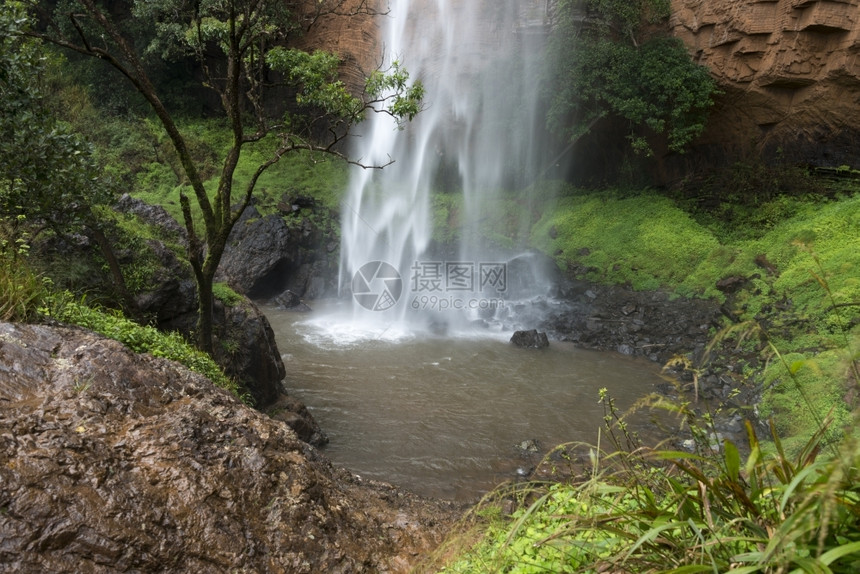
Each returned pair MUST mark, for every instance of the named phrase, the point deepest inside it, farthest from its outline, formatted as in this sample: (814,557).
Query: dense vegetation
(787,244)
(273,97)
(609,60)
(643,510)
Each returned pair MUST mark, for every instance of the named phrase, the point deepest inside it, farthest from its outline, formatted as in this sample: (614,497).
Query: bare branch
(340,8)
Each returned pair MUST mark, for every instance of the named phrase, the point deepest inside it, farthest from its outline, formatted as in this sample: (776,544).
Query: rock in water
(530,339)
(289,301)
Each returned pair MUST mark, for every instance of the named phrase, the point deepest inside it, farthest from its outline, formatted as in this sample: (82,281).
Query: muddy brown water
(445,416)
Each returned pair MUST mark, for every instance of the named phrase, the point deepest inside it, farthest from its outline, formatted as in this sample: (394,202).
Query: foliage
(313,174)
(240,50)
(644,510)
(800,392)
(746,199)
(46,173)
(139,338)
(645,240)
(604,64)
(798,288)
(649,241)
(21,290)
(226,295)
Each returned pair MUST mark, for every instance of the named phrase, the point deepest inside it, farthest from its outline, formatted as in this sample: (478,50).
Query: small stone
(530,339)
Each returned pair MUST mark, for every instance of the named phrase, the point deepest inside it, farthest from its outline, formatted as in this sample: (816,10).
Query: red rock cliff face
(351,30)
(790,73)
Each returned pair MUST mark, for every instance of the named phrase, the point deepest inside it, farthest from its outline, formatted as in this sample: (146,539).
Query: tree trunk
(115,269)
(205,313)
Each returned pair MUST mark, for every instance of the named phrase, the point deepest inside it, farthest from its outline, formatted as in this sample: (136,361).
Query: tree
(241,48)
(608,57)
(48,176)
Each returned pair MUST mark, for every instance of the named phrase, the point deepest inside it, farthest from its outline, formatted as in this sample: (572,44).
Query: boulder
(258,255)
(245,346)
(111,461)
(531,339)
(295,414)
(289,301)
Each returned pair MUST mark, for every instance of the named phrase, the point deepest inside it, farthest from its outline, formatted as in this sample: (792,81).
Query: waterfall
(480,132)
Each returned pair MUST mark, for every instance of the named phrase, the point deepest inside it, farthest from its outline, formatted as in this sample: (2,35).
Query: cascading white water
(478,61)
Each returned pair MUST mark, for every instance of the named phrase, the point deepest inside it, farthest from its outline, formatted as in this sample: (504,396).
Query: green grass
(139,338)
(802,392)
(317,175)
(644,241)
(664,511)
(21,289)
(805,305)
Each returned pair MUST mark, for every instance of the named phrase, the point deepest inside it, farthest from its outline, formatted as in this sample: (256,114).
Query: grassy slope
(648,242)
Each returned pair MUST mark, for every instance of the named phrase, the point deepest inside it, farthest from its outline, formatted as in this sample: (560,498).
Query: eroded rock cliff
(790,73)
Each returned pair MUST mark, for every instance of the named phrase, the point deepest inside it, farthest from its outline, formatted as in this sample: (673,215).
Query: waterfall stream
(412,374)
(479,133)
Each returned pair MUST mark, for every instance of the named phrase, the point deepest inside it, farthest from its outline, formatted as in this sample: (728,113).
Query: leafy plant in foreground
(21,290)
(680,512)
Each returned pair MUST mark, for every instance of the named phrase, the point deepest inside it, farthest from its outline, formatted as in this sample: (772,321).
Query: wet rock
(258,253)
(289,301)
(731,284)
(112,461)
(530,446)
(530,339)
(291,203)
(618,319)
(295,414)
(247,350)
(265,255)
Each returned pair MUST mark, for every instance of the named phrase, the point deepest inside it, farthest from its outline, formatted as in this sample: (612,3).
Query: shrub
(21,290)
(139,338)
(643,510)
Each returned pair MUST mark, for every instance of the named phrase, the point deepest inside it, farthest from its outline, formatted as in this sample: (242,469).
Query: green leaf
(651,534)
(733,460)
(835,554)
(692,569)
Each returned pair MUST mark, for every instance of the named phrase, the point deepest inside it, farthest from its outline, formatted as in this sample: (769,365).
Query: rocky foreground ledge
(113,462)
